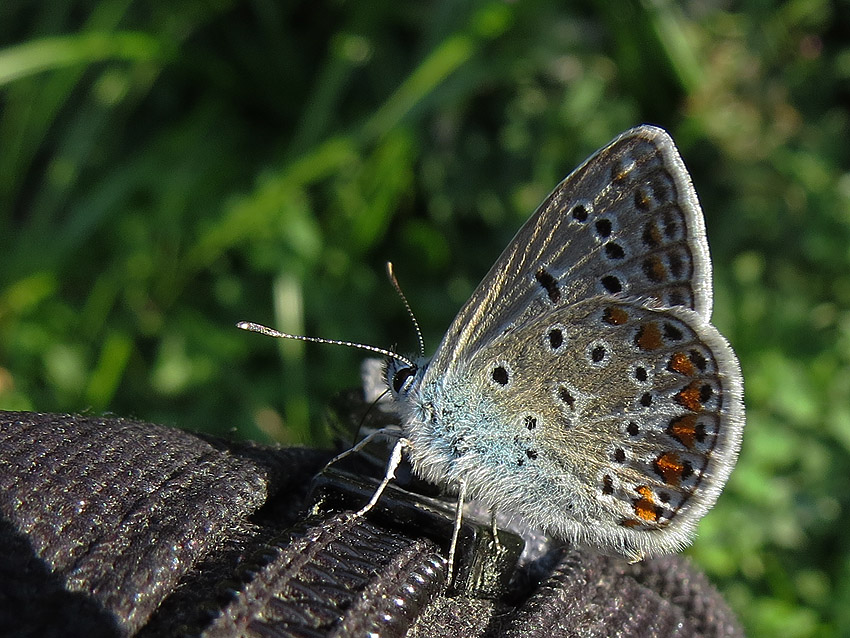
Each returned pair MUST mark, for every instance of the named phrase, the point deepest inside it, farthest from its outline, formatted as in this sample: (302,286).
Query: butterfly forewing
(627,222)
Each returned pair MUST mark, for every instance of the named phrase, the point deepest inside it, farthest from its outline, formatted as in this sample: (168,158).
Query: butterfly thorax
(456,434)
(441,432)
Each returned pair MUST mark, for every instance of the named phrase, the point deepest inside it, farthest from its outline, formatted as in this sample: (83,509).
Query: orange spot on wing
(680,363)
(670,468)
(649,337)
(654,269)
(651,235)
(690,397)
(645,507)
(615,316)
(684,430)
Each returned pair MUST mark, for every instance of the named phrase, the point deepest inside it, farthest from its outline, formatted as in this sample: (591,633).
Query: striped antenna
(394,281)
(271,332)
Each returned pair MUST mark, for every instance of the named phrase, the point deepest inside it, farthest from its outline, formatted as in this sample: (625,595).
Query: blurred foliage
(167,169)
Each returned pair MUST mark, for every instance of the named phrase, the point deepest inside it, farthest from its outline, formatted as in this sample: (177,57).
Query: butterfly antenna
(394,281)
(271,332)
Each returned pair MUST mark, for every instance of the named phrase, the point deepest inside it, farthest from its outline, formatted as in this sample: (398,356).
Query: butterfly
(582,387)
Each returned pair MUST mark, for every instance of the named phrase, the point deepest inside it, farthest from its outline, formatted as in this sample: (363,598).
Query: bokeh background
(167,169)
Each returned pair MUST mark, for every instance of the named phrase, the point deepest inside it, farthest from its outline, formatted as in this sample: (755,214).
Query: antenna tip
(255,327)
(263,330)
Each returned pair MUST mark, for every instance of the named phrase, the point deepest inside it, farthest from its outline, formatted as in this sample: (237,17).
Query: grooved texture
(119,528)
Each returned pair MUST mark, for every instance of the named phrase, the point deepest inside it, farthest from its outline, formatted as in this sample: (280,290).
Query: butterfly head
(402,376)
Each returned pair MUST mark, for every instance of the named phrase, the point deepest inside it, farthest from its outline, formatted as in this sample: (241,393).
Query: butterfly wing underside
(582,386)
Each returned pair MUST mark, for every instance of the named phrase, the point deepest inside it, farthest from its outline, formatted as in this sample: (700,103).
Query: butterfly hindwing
(619,413)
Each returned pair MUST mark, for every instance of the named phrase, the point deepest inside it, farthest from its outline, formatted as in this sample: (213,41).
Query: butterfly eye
(400,378)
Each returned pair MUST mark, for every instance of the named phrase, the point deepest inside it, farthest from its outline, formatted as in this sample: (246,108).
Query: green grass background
(167,169)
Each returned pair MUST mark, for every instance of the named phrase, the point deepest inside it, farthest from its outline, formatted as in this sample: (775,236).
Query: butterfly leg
(461,497)
(389,475)
(495,530)
(360,445)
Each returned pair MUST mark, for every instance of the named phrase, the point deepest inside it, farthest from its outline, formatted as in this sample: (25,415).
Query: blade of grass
(47,54)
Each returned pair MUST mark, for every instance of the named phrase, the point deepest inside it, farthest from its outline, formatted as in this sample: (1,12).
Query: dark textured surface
(115,528)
